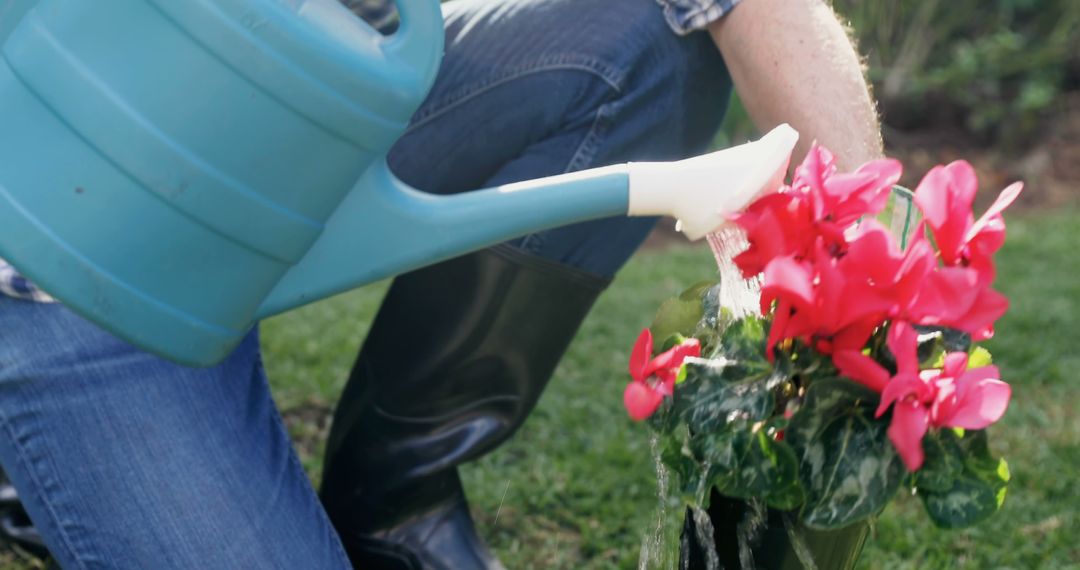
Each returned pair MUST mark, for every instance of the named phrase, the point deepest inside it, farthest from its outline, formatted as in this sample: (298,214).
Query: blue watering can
(176,170)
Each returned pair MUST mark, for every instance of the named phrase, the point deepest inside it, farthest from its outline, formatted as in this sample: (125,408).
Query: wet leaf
(744,340)
(745,463)
(848,466)
(715,394)
(698,291)
(688,477)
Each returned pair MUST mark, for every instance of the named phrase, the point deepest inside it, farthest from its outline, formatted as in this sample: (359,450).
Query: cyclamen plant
(862,375)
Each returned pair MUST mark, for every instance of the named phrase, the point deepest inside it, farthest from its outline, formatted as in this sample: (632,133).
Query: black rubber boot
(454,362)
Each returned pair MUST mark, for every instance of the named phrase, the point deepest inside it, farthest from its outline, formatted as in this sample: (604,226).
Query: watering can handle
(418,41)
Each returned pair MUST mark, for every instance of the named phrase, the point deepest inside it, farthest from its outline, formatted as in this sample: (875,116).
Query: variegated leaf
(967,502)
(745,463)
(849,468)
(715,395)
(978,493)
(943,463)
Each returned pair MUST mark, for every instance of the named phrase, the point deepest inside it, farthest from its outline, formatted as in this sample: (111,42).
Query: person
(125,460)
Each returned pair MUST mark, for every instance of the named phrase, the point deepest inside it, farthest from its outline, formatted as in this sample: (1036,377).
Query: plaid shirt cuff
(14,285)
(686,16)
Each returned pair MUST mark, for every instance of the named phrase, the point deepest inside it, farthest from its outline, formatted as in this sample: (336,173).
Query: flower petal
(861,368)
(979,320)
(641,400)
(981,400)
(899,388)
(903,342)
(909,425)
(787,279)
(932,196)
(674,356)
(945,196)
(955,364)
(1004,200)
(639,357)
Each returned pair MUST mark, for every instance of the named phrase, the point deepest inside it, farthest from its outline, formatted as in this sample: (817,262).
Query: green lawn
(576,487)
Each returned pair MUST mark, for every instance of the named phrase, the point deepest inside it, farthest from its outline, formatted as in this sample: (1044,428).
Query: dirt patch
(309,423)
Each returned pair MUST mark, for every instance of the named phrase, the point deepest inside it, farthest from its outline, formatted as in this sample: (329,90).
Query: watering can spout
(385,227)
(701,192)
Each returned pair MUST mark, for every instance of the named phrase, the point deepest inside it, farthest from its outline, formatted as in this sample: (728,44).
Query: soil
(1049,168)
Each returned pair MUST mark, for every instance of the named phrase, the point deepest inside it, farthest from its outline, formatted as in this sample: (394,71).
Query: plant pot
(772,545)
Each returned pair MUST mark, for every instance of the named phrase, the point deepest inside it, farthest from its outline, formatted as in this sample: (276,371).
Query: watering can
(177,170)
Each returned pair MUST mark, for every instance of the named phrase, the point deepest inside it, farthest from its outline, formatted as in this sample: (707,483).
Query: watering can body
(164,163)
(175,171)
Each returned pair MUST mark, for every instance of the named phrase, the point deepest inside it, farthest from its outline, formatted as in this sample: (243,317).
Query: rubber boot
(457,357)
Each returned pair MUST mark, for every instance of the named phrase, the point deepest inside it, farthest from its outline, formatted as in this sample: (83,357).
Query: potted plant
(858,376)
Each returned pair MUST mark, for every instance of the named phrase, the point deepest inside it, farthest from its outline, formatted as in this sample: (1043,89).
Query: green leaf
(684,314)
(744,340)
(826,400)
(787,499)
(715,394)
(968,501)
(671,342)
(676,316)
(715,318)
(688,478)
(978,493)
(979,357)
(745,463)
(848,467)
(955,341)
(935,342)
(943,464)
(697,291)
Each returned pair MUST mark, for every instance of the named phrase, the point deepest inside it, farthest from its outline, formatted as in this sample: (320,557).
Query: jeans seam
(294,464)
(557,63)
(17,443)
(583,156)
(587,149)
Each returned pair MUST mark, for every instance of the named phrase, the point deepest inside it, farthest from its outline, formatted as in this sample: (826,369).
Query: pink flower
(903,343)
(817,208)
(959,298)
(893,278)
(945,196)
(776,225)
(954,396)
(841,199)
(654,377)
(826,302)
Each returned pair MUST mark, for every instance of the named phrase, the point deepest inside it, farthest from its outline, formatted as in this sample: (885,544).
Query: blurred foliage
(993,67)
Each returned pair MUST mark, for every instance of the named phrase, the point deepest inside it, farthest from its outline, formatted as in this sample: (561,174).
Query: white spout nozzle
(703,191)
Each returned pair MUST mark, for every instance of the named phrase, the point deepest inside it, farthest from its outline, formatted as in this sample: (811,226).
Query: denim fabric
(127,461)
(534,88)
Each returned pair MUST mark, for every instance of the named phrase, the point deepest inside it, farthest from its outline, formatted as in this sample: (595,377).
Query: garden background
(994,81)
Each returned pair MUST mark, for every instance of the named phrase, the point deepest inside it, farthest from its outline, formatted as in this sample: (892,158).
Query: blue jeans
(124,460)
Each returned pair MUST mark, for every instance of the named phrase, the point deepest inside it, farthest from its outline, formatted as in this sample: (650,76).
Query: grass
(576,487)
